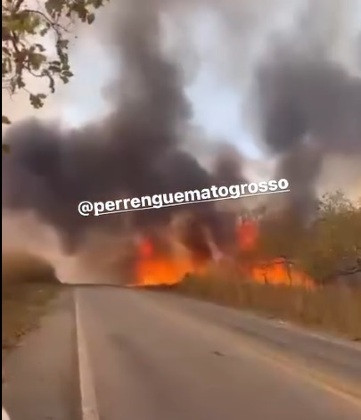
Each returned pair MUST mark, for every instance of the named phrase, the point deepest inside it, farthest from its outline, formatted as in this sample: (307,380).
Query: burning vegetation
(165,260)
(305,107)
(267,251)
(156,267)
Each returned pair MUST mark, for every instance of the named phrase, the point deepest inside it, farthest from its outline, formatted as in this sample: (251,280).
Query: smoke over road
(305,104)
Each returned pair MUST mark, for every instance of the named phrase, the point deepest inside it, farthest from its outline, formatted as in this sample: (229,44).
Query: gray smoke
(134,152)
(303,96)
(308,101)
(307,105)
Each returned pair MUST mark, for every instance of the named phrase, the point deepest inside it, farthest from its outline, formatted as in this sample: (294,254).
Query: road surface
(156,356)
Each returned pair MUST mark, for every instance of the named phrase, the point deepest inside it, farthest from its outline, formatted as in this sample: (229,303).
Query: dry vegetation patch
(334,308)
(28,285)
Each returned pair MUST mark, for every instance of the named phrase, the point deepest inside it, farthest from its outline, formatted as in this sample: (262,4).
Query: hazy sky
(217,105)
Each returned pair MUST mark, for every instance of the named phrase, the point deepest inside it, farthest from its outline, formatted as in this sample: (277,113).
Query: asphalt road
(156,356)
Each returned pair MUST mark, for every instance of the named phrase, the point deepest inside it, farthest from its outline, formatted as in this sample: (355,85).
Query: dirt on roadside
(29,283)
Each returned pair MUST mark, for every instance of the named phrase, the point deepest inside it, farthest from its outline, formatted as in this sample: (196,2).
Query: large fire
(154,267)
(160,267)
(277,271)
(247,235)
(161,270)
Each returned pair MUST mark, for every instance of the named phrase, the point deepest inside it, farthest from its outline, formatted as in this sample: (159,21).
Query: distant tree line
(327,248)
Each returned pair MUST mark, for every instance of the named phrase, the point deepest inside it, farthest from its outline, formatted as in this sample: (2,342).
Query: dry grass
(333,308)
(20,267)
(28,284)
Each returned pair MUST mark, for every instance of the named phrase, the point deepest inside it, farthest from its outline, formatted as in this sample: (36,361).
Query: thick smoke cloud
(132,153)
(308,99)
(309,108)
(307,105)
(303,97)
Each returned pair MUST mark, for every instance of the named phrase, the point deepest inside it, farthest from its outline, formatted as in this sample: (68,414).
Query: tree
(327,249)
(335,246)
(282,236)
(25,24)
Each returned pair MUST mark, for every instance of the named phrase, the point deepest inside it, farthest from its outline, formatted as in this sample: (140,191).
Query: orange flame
(277,271)
(247,233)
(146,248)
(161,271)
(155,268)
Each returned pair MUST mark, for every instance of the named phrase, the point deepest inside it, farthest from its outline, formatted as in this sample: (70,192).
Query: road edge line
(89,406)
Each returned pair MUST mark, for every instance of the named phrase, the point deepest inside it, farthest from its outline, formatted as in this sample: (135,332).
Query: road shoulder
(40,378)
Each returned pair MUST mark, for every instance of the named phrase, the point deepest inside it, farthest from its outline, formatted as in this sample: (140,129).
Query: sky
(217,106)
(217,109)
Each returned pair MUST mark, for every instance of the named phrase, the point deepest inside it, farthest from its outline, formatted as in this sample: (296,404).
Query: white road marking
(87,391)
(4,415)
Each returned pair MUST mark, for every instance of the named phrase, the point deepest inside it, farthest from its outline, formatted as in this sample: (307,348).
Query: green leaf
(63,43)
(67,73)
(20,82)
(40,47)
(44,31)
(37,100)
(54,69)
(90,18)
(36,60)
(54,6)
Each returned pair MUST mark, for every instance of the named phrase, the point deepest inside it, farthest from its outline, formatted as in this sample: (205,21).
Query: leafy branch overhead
(26,25)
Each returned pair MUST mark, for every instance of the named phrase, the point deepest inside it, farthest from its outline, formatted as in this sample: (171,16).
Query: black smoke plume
(307,106)
(133,152)
(308,101)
